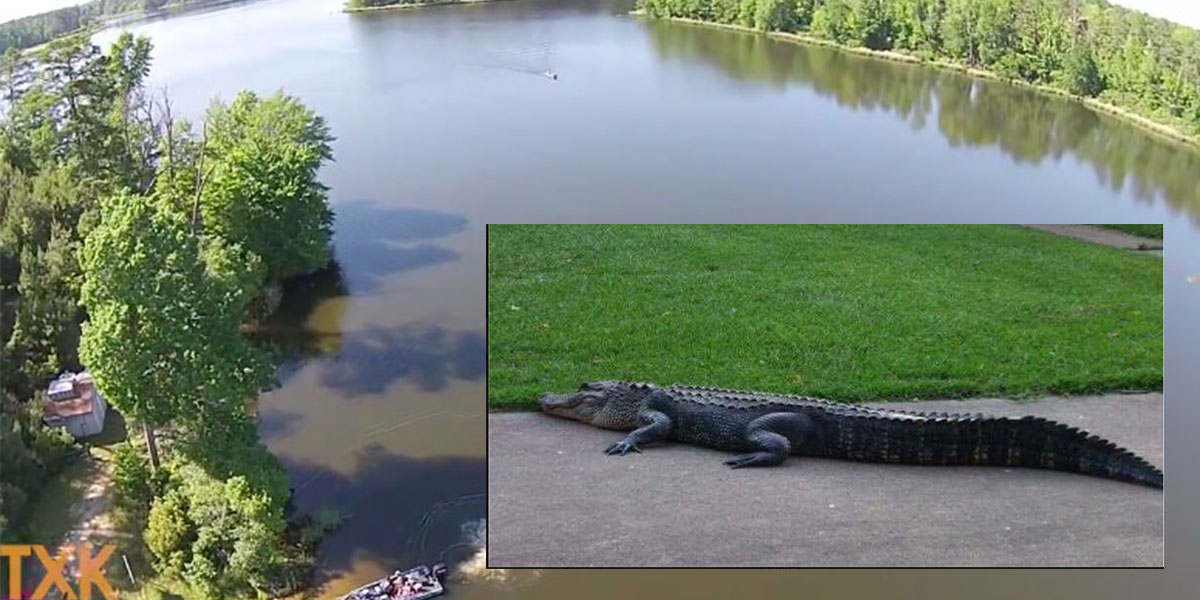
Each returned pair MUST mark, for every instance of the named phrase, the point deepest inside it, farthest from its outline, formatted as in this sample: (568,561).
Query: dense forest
(970,113)
(1087,47)
(40,28)
(140,249)
(367,4)
(353,4)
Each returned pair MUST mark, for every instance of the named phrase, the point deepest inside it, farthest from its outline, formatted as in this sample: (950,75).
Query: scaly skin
(766,428)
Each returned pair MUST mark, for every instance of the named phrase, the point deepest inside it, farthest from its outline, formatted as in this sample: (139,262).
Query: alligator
(767,428)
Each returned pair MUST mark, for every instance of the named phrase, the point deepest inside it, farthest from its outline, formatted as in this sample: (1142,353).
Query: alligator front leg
(772,435)
(655,427)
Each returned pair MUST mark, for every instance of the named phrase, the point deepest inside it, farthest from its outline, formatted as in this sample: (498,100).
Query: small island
(355,6)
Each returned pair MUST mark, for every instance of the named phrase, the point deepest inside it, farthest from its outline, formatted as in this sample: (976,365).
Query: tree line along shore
(33,30)
(359,6)
(1117,60)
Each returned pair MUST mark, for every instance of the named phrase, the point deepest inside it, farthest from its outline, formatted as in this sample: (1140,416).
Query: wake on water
(475,568)
(529,60)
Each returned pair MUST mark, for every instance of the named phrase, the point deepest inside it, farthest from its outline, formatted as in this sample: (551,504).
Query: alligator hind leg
(772,435)
(657,426)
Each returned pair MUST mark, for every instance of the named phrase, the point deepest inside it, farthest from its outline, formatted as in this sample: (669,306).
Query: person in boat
(413,588)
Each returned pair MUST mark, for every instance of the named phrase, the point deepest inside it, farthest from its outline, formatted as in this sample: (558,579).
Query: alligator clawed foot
(748,460)
(622,448)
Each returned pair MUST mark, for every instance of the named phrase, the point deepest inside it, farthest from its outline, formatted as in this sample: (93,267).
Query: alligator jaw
(550,403)
(604,404)
(578,406)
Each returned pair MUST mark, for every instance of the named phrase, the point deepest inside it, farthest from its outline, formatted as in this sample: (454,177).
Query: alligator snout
(553,401)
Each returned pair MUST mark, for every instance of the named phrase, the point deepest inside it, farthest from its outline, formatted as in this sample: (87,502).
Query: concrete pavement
(555,500)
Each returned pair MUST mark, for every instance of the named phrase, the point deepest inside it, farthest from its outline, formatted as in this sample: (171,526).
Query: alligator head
(606,404)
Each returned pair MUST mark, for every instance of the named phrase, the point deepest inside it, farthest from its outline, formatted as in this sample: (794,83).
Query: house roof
(62,388)
(80,404)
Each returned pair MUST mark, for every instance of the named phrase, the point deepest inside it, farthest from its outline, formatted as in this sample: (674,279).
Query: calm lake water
(444,124)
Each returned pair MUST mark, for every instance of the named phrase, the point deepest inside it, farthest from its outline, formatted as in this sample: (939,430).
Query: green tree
(745,12)
(223,537)
(46,331)
(133,482)
(170,533)
(37,254)
(802,14)
(918,24)
(773,15)
(834,20)
(1135,72)
(14,201)
(165,307)
(261,190)
(76,77)
(963,30)
(1081,74)
(128,64)
(871,24)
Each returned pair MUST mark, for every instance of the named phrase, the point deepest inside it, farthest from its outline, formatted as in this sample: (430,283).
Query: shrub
(169,533)
(132,481)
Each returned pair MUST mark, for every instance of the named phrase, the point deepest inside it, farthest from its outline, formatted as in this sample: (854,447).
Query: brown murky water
(382,419)
(444,125)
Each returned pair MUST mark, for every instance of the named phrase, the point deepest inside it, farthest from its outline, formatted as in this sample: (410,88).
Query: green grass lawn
(846,312)
(1147,231)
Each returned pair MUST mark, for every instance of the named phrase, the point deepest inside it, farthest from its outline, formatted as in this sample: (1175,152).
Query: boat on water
(416,583)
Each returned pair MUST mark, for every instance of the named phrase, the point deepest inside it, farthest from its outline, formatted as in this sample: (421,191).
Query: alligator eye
(585,386)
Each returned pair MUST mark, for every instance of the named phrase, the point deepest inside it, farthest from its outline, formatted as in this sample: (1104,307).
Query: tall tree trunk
(151,445)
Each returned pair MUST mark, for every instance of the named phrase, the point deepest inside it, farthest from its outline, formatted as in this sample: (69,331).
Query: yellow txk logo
(89,571)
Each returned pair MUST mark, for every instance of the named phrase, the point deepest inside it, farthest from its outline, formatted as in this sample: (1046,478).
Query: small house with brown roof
(73,402)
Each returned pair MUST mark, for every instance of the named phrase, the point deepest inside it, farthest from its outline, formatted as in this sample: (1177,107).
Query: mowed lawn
(852,313)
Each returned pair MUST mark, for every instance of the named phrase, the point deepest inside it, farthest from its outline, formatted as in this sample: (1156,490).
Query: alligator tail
(1042,443)
(943,439)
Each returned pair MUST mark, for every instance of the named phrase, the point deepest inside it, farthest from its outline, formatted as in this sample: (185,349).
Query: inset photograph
(825,396)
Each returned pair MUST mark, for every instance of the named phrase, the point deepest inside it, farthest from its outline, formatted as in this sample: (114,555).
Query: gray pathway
(1104,237)
(554,499)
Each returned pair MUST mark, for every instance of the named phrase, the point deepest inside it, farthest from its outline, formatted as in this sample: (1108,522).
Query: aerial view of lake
(445,123)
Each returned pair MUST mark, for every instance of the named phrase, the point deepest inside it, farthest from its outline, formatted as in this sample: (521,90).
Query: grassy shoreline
(1148,231)
(849,313)
(87,30)
(1157,128)
(412,5)
(129,17)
